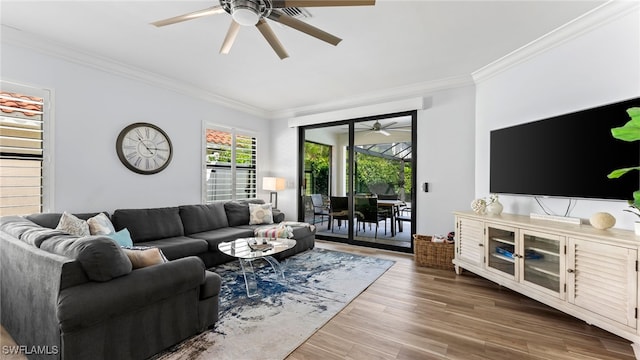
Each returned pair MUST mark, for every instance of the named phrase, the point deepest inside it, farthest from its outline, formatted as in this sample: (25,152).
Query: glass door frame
(351,181)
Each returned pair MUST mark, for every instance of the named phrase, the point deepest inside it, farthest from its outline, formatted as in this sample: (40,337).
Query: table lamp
(273,184)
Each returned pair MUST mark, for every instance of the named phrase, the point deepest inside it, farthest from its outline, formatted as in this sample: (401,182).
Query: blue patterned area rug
(319,284)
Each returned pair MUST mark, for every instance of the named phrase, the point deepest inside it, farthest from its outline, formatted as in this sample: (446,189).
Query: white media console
(585,272)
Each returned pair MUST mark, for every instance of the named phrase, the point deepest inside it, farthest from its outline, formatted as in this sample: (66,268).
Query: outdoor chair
(338,210)
(366,211)
(319,208)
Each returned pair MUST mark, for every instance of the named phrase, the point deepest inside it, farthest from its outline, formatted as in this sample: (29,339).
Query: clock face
(144,148)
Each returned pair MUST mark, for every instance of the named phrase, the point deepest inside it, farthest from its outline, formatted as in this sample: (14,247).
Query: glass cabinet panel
(501,250)
(542,260)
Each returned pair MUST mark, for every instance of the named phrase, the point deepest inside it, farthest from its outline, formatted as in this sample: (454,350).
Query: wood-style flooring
(414,312)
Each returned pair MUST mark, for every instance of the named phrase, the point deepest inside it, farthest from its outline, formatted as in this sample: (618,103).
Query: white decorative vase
(636,227)
(494,208)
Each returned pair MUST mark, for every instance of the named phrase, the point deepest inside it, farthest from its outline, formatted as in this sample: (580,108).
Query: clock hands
(145,145)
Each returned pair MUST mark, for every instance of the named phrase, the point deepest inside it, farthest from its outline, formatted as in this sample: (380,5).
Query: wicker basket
(431,254)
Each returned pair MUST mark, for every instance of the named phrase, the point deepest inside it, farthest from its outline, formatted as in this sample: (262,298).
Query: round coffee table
(247,250)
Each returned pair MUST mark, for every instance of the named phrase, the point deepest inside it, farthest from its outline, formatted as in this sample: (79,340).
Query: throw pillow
(73,225)
(100,225)
(143,256)
(122,238)
(260,214)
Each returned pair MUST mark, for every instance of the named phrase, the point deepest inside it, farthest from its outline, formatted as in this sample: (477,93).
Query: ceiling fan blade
(389,124)
(190,16)
(320,3)
(271,38)
(230,37)
(384,132)
(304,27)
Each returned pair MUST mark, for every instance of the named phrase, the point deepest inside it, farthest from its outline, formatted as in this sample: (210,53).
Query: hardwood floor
(414,312)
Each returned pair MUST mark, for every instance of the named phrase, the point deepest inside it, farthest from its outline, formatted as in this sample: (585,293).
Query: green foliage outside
(376,171)
(244,152)
(316,164)
(371,171)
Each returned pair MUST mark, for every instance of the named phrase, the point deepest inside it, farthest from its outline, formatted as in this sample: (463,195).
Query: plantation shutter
(231,165)
(21,153)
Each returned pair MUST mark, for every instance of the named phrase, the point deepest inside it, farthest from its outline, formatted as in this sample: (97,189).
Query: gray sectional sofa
(70,297)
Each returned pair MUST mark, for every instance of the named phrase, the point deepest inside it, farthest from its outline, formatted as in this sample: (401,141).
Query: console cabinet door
(603,279)
(501,250)
(470,245)
(542,262)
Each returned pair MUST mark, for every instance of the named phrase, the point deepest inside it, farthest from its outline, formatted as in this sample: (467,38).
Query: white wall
(90,109)
(598,67)
(445,154)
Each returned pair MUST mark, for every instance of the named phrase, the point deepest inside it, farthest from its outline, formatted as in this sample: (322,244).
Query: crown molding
(29,41)
(591,20)
(377,97)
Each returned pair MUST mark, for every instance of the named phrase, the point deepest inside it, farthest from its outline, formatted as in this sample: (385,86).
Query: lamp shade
(273,183)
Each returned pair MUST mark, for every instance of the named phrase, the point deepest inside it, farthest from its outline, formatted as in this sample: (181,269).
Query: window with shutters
(22,149)
(231,159)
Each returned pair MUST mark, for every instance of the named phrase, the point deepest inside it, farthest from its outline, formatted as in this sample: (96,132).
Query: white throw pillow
(260,214)
(73,225)
(100,225)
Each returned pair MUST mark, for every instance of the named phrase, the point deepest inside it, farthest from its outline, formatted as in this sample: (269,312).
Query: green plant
(629,132)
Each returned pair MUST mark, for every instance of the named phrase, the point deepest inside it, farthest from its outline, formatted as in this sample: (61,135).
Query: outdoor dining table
(393,205)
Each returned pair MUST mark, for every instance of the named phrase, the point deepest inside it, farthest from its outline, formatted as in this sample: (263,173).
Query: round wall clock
(144,148)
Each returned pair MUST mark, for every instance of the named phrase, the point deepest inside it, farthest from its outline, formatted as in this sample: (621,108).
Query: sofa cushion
(237,213)
(51,220)
(179,246)
(215,237)
(100,257)
(149,224)
(200,217)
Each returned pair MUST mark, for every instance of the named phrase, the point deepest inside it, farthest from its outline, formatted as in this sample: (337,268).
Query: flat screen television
(566,156)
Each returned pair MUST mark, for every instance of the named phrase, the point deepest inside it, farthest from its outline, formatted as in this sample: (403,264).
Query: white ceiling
(388,48)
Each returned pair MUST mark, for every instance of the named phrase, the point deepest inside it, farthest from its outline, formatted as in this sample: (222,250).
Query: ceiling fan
(254,12)
(377,127)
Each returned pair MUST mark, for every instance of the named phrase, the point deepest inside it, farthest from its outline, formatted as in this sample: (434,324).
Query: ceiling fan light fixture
(246,12)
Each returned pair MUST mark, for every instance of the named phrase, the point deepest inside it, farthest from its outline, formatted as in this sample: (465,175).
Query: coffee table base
(250,276)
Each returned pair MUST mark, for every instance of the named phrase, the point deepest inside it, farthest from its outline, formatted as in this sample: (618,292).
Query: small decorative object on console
(602,220)
(479,206)
(494,207)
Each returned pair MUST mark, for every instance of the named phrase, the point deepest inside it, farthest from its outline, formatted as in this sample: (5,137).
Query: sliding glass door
(324,188)
(358,182)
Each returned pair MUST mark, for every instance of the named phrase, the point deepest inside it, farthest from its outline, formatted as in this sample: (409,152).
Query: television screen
(566,156)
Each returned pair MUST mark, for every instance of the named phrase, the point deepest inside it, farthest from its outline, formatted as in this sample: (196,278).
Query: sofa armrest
(93,302)
(278,216)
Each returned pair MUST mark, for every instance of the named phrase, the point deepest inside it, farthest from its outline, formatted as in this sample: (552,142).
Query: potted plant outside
(629,132)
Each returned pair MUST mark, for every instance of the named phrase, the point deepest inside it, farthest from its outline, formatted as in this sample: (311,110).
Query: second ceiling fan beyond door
(254,13)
